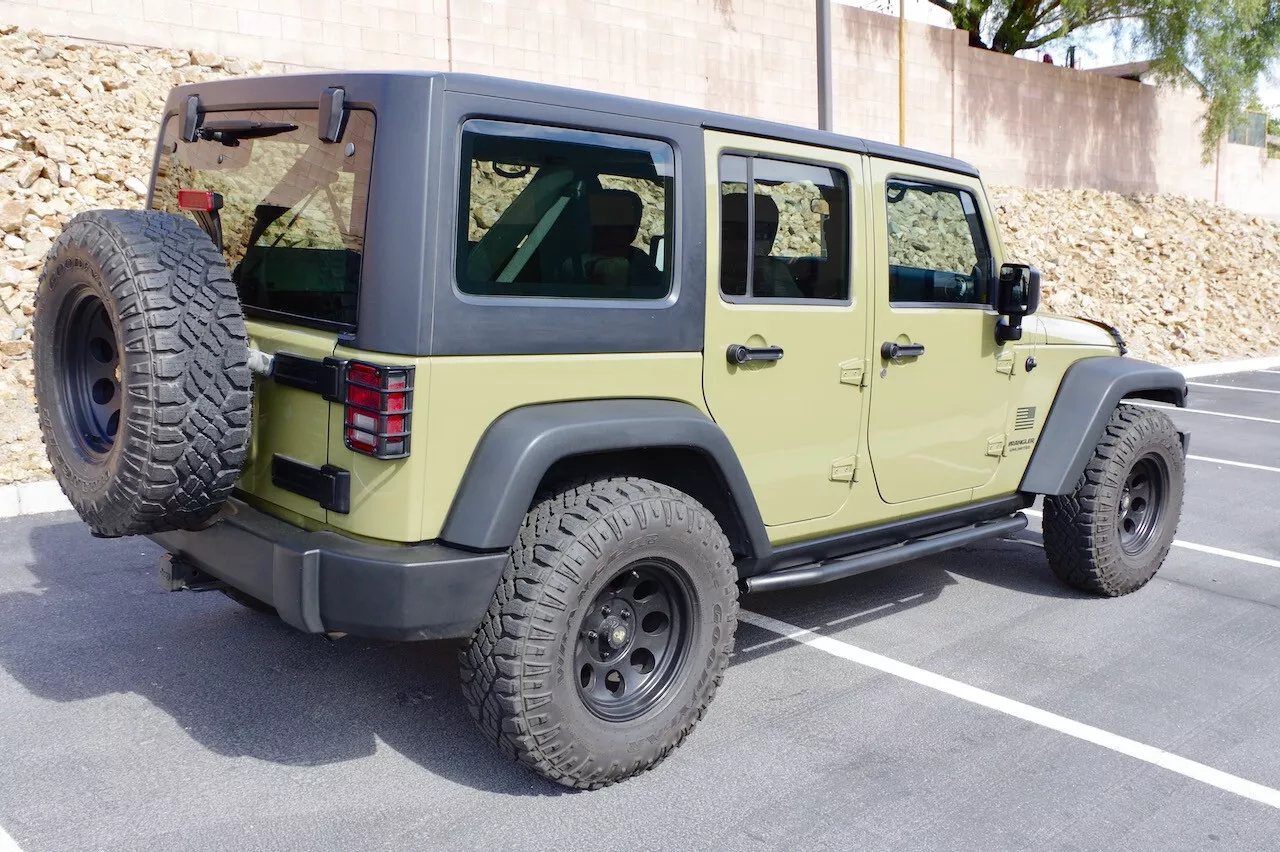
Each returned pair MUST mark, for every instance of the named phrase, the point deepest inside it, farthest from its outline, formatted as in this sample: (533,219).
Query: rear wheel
(1112,533)
(608,635)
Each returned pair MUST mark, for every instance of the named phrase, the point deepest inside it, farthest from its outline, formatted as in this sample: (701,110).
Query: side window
(551,212)
(938,250)
(786,238)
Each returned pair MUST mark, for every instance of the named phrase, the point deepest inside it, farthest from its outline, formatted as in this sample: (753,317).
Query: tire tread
(185,437)
(507,665)
(1081,549)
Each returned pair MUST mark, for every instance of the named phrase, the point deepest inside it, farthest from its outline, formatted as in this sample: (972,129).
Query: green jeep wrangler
(561,374)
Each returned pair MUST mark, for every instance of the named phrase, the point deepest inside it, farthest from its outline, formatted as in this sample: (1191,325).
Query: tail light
(378,404)
(199,200)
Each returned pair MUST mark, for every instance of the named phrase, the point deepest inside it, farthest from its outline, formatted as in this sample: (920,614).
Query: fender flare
(519,447)
(1090,390)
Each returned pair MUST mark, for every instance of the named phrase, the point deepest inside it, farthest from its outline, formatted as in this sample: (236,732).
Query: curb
(36,498)
(1226,368)
(32,498)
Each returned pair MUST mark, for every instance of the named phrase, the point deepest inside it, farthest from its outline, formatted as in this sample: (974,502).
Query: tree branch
(1032,44)
(1039,16)
(950,7)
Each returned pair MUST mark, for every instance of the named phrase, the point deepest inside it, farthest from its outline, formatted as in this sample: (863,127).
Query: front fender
(1090,390)
(521,446)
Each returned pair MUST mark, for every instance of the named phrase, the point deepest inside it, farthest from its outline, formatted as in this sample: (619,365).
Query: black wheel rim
(1141,503)
(633,641)
(91,367)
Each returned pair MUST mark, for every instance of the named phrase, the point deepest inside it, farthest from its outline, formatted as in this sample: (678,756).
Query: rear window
(553,212)
(293,207)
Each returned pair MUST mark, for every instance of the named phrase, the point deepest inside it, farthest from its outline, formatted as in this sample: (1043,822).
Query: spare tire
(141,371)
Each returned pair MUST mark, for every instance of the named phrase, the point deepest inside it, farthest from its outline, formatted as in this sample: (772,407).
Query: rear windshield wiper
(230,133)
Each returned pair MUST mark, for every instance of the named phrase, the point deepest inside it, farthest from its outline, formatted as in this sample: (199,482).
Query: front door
(940,386)
(786,328)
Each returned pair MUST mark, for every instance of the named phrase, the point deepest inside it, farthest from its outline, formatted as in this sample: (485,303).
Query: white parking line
(1199,411)
(7,843)
(1204,548)
(1230,554)
(1277,372)
(1231,387)
(1235,463)
(1061,724)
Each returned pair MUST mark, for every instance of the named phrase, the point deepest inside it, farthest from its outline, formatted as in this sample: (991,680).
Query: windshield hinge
(1006,361)
(995,445)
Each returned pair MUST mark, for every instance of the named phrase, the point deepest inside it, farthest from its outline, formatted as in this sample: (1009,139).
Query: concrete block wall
(1021,122)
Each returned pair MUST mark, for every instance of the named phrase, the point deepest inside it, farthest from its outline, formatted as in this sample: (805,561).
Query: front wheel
(1112,533)
(608,635)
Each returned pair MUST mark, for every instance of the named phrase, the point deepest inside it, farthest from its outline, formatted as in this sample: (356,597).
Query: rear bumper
(324,582)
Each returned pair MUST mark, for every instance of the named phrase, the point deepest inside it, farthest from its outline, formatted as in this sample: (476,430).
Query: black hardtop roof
(362,86)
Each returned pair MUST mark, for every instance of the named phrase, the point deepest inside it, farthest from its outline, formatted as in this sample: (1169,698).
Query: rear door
(289,212)
(786,327)
(939,402)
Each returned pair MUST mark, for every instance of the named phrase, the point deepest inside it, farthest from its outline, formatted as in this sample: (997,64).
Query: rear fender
(519,448)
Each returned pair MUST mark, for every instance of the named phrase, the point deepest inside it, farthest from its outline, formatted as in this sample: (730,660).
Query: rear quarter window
(556,213)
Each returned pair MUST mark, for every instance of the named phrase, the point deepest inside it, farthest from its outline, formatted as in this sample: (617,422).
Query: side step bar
(838,569)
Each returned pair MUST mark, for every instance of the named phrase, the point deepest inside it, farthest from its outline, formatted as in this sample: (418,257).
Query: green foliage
(1222,47)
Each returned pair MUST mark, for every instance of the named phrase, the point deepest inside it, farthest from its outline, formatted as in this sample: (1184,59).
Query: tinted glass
(293,207)
(549,212)
(788,238)
(937,249)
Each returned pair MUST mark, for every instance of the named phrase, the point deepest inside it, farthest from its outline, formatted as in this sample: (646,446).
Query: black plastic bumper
(324,582)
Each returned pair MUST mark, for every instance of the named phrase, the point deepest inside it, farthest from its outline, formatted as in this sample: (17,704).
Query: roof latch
(191,118)
(333,114)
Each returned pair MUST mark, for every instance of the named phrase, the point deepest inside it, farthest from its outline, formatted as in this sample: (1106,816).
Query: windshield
(291,220)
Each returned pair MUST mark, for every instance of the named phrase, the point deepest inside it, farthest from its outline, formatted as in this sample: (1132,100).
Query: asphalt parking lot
(966,701)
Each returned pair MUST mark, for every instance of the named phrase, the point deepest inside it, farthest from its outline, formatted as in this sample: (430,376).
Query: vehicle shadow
(242,684)
(846,604)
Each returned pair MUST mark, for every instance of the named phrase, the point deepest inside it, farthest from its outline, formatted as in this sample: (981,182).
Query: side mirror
(1017,295)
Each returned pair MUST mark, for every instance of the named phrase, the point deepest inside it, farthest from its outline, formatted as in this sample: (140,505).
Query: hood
(1077,332)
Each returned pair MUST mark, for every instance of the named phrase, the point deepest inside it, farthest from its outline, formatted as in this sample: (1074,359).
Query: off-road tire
(518,669)
(1081,537)
(182,377)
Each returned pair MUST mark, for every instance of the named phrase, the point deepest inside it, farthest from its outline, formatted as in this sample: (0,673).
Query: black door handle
(739,354)
(893,351)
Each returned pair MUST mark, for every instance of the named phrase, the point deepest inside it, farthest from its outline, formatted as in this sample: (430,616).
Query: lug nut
(604,610)
(592,635)
(626,613)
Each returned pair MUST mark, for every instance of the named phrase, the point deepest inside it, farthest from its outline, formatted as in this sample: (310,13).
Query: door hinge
(853,373)
(845,469)
(995,445)
(310,374)
(1005,362)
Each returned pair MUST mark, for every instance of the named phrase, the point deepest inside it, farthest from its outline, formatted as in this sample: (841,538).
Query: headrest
(615,208)
(735,207)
